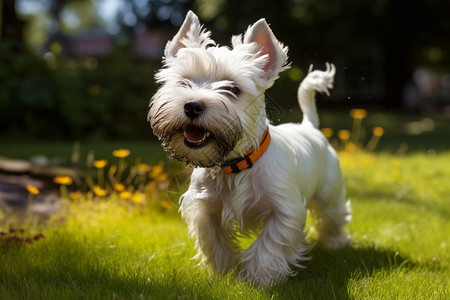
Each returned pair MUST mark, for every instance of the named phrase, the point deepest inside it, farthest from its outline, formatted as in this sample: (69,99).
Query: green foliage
(64,98)
(27,93)
(102,250)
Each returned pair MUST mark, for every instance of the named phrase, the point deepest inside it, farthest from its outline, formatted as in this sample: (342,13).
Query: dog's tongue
(194,134)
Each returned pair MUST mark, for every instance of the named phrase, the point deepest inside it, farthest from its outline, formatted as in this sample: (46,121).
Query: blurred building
(145,45)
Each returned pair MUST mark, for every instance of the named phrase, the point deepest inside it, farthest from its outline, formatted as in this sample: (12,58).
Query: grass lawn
(406,132)
(108,250)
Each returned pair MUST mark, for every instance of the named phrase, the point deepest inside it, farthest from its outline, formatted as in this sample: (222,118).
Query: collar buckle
(241,163)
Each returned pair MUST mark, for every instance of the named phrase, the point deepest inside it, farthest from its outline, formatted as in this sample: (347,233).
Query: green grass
(101,149)
(399,134)
(400,229)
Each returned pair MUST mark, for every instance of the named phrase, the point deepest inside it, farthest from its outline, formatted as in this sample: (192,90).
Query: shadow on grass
(327,275)
(86,272)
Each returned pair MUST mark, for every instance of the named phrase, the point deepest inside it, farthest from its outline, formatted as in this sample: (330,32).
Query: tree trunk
(11,28)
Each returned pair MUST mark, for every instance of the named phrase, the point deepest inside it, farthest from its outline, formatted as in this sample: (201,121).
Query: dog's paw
(264,269)
(320,81)
(337,241)
(262,278)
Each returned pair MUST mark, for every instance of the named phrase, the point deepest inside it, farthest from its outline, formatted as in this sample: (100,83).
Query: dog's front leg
(279,247)
(204,219)
(219,248)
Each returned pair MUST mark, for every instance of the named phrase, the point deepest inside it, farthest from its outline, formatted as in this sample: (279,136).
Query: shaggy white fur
(209,109)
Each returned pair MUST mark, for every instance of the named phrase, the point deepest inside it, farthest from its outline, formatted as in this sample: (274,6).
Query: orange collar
(250,157)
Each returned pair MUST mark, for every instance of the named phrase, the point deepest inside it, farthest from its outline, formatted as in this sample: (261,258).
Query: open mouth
(195,136)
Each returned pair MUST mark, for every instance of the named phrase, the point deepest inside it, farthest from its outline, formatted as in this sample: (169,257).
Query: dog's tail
(315,81)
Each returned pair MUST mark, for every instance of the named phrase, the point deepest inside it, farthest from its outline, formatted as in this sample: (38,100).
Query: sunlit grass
(105,248)
(118,234)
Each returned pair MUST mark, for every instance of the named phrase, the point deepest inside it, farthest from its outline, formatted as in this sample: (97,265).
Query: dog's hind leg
(331,208)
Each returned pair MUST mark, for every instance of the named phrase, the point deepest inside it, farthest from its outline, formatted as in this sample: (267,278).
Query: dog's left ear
(261,34)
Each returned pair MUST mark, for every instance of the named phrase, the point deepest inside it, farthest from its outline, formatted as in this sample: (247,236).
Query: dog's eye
(184,84)
(232,89)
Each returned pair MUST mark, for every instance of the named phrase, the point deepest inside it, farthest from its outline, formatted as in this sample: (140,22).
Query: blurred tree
(11,27)
(378,43)
(79,16)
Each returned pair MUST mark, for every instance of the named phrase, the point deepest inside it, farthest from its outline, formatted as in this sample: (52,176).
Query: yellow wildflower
(119,187)
(63,180)
(32,190)
(343,134)
(357,113)
(99,164)
(121,153)
(98,191)
(125,195)
(142,168)
(138,197)
(327,132)
(156,170)
(350,147)
(378,131)
(162,177)
(75,196)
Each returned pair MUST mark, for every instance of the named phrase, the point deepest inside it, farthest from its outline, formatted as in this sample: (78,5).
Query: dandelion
(32,190)
(357,113)
(63,181)
(377,134)
(98,191)
(162,177)
(121,153)
(119,187)
(137,197)
(125,195)
(378,131)
(142,168)
(100,164)
(156,170)
(327,132)
(75,196)
(350,147)
(344,135)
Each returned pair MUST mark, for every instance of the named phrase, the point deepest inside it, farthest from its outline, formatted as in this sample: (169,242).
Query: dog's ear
(190,35)
(261,34)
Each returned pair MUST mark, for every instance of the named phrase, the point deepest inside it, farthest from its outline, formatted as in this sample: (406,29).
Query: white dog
(250,177)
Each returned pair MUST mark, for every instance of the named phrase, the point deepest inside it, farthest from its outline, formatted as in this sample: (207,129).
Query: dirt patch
(14,195)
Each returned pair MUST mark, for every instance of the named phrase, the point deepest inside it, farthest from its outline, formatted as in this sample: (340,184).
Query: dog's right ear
(190,35)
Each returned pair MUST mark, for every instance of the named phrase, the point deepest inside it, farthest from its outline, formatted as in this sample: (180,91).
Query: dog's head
(210,104)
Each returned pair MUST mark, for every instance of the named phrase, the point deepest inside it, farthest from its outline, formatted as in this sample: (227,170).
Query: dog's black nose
(193,109)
